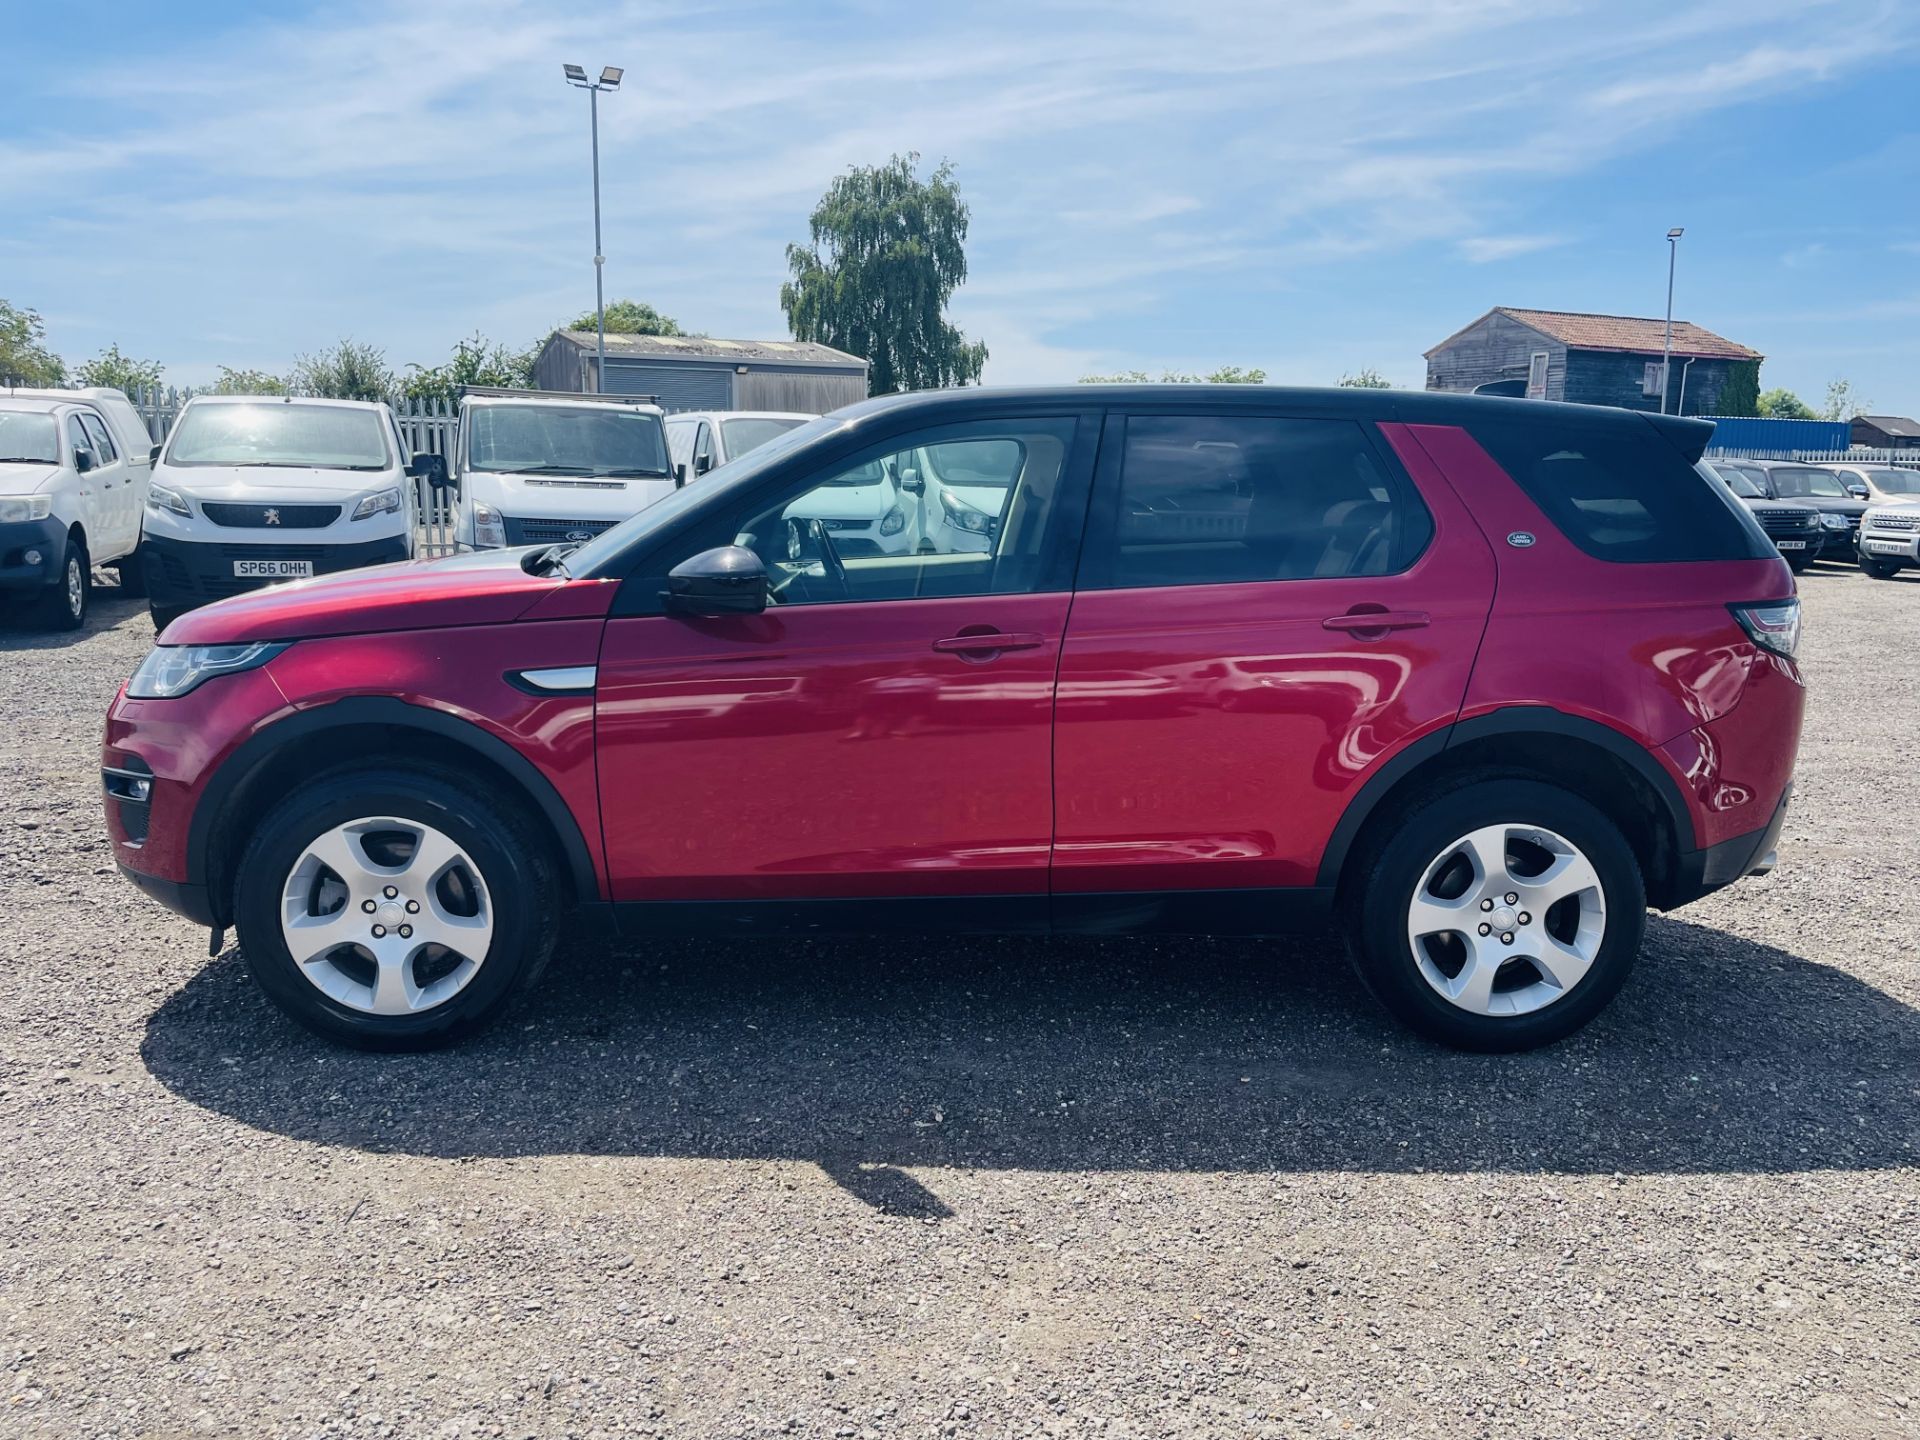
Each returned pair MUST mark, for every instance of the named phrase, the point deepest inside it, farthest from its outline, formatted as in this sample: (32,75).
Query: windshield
(29,439)
(717,488)
(560,440)
(310,437)
(745,435)
(1794,482)
(1740,484)
(1887,482)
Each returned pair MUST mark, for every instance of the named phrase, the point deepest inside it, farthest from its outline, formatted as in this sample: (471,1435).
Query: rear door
(1267,606)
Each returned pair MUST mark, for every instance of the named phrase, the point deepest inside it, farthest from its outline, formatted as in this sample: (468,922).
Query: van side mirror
(680,474)
(727,580)
(1858,491)
(431,468)
(703,463)
(153,455)
(83,460)
(910,481)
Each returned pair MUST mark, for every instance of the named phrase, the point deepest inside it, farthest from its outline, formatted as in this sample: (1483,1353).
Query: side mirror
(680,474)
(1858,491)
(153,455)
(431,468)
(727,580)
(83,460)
(911,482)
(703,463)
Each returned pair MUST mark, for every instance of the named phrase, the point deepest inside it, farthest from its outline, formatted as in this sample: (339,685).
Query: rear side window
(1226,499)
(1621,491)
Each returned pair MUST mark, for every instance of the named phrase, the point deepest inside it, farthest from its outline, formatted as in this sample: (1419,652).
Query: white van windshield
(555,440)
(750,434)
(28,439)
(301,437)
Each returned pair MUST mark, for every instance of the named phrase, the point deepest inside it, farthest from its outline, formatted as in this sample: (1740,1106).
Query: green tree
(24,356)
(119,372)
(1842,403)
(346,372)
(631,317)
(247,382)
(473,362)
(887,251)
(1368,379)
(1740,396)
(1225,375)
(1784,405)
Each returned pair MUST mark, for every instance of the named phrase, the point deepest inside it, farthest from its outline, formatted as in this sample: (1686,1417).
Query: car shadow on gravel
(868,1058)
(106,609)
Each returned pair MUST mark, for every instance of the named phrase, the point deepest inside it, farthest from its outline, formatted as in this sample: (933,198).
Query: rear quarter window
(1622,492)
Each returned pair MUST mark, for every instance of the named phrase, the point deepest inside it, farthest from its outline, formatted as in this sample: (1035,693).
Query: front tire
(392,909)
(133,576)
(163,616)
(1798,564)
(1880,569)
(1500,914)
(64,606)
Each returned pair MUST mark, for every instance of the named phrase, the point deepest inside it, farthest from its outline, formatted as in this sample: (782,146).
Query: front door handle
(991,641)
(1361,622)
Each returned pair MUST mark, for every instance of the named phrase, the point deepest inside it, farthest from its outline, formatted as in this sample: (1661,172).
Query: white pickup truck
(536,467)
(74,470)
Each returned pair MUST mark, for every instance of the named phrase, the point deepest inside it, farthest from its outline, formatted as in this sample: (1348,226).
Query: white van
(253,489)
(704,439)
(74,468)
(538,467)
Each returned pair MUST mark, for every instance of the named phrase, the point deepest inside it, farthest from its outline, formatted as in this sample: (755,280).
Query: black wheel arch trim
(262,746)
(1509,720)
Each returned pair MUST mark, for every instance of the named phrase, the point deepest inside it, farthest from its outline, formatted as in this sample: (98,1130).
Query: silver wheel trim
(76,586)
(1558,964)
(318,922)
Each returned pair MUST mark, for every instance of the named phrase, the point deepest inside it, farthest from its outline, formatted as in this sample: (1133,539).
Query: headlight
(893,522)
(171,670)
(159,497)
(964,517)
(489,528)
(1834,522)
(27,507)
(1772,625)
(378,504)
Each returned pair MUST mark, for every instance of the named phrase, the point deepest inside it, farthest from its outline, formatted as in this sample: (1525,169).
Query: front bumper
(182,573)
(1903,545)
(18,539)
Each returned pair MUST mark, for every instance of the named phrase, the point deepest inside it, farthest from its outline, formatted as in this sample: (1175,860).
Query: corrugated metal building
(1778,437)
(690,372)
(1587,359)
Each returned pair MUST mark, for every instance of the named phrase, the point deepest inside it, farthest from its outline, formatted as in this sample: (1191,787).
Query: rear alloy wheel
(64,606)
(1880,569)
(395,911)
(1500,915)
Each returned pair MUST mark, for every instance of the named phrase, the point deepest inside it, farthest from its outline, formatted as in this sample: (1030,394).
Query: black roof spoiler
(1688,436)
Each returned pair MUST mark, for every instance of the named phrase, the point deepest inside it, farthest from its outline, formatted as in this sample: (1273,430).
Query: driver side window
(962,510)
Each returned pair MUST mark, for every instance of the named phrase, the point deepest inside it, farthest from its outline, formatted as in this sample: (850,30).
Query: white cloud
(1485,249)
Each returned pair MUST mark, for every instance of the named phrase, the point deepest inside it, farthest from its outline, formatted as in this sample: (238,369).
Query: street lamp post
(1666,353)
(609,80)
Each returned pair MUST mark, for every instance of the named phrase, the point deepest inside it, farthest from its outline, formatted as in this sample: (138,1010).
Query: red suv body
(1221,660)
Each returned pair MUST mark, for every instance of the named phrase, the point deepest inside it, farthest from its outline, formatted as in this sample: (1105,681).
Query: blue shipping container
(1741,432)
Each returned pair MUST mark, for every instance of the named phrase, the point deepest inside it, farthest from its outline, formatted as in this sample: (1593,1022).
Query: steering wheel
(829,557)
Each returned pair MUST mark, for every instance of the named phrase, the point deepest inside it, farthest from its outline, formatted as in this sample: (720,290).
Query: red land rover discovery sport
(1478,680)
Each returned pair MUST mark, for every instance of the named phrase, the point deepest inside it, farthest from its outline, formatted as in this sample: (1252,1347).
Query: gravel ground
(972,1189)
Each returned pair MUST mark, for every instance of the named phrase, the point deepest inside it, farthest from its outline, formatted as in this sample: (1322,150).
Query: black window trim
(1103,512)
(645,577)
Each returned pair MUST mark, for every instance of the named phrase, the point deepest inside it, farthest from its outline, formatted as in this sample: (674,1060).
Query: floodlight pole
(1666,353)
(600,261)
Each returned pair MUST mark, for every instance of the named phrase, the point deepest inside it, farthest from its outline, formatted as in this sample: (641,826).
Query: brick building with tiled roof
(1588,359)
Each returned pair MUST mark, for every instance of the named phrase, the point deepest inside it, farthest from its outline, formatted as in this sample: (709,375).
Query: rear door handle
(1361,621)
(993,640)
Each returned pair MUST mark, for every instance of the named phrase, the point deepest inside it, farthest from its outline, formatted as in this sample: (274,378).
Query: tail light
(1771,624)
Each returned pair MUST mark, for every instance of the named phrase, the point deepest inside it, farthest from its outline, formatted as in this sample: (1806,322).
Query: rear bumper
(21,538)
(1701,872)
(182,573)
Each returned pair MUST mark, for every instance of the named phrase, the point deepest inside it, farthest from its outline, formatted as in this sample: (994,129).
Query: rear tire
(64,605)
(1881,569)
(1429,882)
(466,867)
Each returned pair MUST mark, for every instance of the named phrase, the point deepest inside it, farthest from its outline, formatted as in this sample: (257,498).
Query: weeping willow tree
(887,251)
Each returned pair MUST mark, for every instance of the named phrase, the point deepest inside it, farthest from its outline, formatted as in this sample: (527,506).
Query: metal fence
(426,427)
(1857,455)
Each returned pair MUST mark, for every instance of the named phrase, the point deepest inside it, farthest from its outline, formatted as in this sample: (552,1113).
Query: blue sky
(1308,188)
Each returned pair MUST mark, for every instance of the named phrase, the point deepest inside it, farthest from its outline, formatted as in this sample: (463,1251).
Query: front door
(884,728)
(1267,606)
